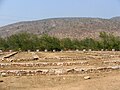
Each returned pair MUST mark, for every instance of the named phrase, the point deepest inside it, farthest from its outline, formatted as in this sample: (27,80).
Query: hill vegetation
(27,41)
(73,28)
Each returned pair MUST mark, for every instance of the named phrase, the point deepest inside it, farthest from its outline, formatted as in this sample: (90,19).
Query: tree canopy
(27,41)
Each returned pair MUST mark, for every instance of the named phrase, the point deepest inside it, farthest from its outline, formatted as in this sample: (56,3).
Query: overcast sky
(12,11)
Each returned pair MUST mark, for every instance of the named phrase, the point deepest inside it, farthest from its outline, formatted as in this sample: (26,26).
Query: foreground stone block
(37,50)
(87,77)
(54,50)
(61,50)
(10,50)
(77,50)
(1,51)
(84,50)
(90,50)
(113,50)
(28,50)
(3,74)
(10,55)
(102,49)
(45,50)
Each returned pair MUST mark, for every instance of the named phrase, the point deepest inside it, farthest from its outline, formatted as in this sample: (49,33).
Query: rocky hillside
(65,27)
(116,18)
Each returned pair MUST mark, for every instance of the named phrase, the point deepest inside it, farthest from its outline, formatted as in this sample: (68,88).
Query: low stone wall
(68,58)
(42,64)
(116,62)
(60,71)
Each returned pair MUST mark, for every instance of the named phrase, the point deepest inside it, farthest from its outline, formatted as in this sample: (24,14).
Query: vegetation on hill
(27,41)
(73,28)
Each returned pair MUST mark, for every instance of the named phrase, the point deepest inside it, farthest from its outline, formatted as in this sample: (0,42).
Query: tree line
(26,41)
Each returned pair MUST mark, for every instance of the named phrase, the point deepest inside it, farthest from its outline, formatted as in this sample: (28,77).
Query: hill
(64,27)
(116,18)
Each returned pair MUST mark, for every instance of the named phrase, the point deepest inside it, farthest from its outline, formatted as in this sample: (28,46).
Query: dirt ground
(103,80)
(98,81)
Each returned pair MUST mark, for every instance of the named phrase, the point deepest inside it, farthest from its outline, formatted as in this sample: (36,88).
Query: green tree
(3,45)
(89,43)
(23,41)
(49,43)
(67,44)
